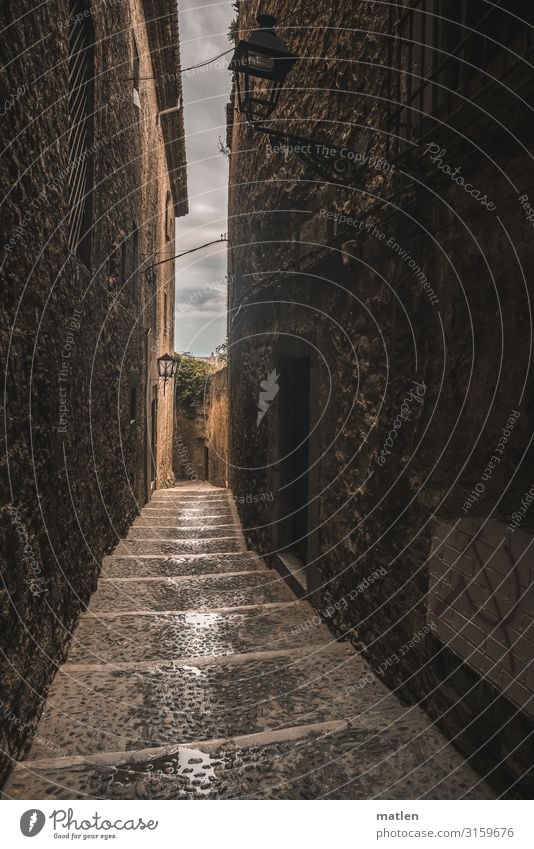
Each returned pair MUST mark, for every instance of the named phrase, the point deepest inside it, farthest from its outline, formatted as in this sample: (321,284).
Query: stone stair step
(96,709)
(188,564)
(161,548)
(194,489)
(194,500)
(190,498)
(199,500)
(409,760)
(179,505)
(189,508)
(160,637)
(195,593)
(174,532)
(194,515)
(193,522)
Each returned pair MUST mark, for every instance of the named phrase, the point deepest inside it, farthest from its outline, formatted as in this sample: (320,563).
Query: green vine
(233,29)
(190,383)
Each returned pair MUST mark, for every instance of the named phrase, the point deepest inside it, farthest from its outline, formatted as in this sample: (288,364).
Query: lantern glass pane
(259,98)
(261,62)
(166,366)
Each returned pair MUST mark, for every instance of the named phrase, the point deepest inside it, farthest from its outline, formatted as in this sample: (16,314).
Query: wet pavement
(196,674)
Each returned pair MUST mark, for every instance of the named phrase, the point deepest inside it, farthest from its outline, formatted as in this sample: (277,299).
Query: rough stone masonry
(81,325)
(360,291)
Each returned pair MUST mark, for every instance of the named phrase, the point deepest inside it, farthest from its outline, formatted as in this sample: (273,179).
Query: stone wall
(408,299)
(79,340)
(189,442)
(217,428)
(201,439)
(480,602)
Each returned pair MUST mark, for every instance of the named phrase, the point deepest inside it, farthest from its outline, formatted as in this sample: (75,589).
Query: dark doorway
(206,469)
(293,436)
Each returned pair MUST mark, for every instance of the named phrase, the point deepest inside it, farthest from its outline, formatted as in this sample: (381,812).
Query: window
(129,265)
(133,403)
(153,295)
(169,218)
(124,262)
(136,69)
(480,30)
(438,48)
(136,75)
(81,129)
(414,35)
(134,393)
(134,280)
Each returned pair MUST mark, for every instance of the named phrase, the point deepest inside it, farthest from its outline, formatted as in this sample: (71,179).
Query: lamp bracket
(335,164)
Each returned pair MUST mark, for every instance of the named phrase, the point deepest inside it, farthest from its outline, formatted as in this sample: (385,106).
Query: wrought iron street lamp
(261,65)
(166,368)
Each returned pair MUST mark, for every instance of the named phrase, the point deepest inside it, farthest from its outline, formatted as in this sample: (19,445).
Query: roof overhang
(161,17)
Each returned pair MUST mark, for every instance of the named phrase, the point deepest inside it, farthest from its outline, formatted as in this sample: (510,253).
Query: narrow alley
(196,673)
(267,503)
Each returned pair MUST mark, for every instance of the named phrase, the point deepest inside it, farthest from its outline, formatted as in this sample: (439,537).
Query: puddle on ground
(198,767)
(194,669)
(194,768)
(202,620)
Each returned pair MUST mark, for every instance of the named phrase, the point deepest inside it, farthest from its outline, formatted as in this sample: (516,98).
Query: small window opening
(133,404)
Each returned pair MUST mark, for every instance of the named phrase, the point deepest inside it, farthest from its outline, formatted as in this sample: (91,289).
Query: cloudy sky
(200,283)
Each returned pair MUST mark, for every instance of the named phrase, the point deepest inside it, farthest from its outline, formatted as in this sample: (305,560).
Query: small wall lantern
(261,65)
(166,368)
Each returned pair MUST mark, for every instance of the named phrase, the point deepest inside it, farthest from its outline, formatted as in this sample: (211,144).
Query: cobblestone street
(188,677)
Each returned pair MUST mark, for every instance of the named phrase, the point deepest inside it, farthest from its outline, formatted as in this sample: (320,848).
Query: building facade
(94,172)
(379,349)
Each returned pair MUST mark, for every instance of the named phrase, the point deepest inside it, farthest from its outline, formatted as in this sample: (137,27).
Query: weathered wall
(207,430)
(189,441)
(74,339)
(156,244)
(411,382)
(480,601)
(217,428)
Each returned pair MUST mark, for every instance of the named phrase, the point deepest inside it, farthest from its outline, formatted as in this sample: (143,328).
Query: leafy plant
(190,383)
(222,351)
(233,29)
